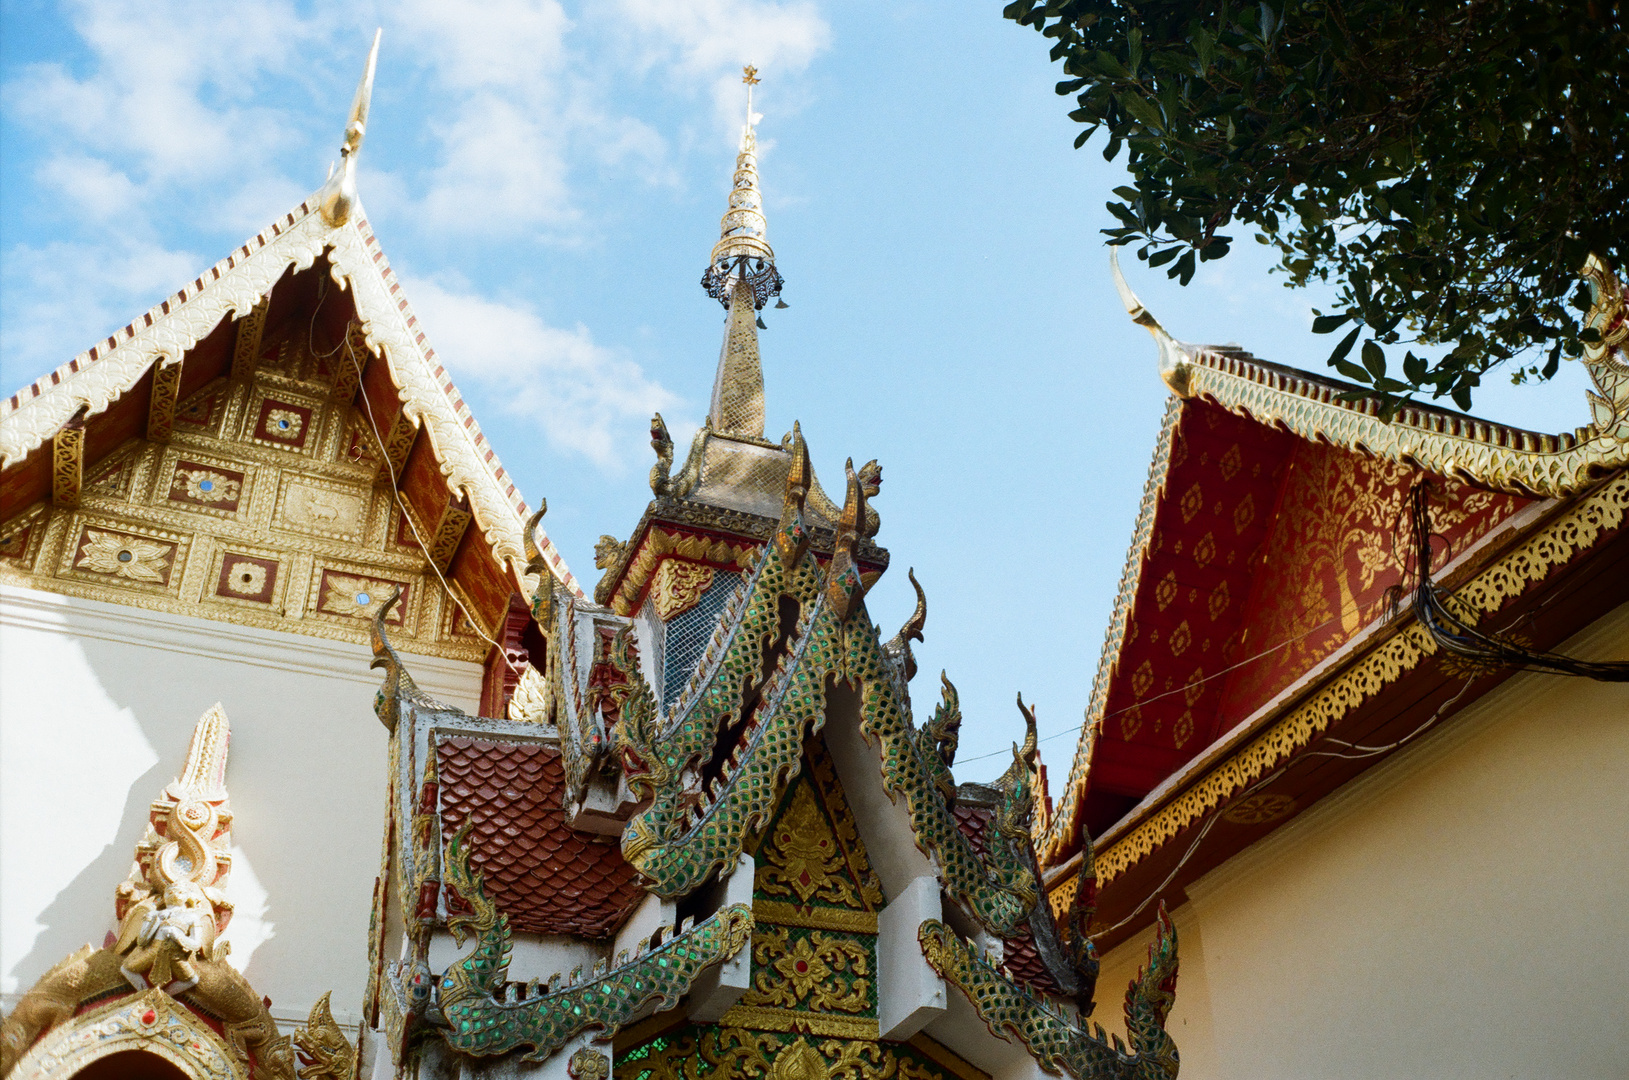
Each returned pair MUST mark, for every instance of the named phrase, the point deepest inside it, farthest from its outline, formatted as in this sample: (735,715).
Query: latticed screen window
(685,637)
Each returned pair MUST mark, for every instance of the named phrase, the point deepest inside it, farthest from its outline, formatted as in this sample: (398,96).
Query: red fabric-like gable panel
(1337,544)
(1191,597)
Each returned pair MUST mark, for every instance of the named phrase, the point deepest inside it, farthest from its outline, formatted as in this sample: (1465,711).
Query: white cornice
(454,681)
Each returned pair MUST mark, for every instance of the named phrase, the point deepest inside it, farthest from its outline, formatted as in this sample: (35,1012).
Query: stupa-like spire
(741,275)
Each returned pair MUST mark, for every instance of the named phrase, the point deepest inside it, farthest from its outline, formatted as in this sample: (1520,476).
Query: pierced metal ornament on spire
(743,250)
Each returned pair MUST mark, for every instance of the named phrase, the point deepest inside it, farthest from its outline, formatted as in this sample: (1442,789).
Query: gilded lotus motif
(206,486)
(125,556)
(246,578)
(284,424)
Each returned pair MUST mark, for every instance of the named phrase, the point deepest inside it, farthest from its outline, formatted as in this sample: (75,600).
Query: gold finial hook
(749,75)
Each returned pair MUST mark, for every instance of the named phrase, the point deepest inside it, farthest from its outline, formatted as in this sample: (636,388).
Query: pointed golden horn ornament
(1174,357)
(338,196)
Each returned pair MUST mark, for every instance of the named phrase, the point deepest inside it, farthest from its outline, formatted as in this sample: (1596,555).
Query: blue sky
(548,179)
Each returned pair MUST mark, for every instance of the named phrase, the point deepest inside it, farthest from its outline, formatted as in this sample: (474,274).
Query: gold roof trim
(1449,444)
(233,287)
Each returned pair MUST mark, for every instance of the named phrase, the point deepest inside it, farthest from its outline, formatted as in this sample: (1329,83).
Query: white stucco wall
(1460,911)
(97,703)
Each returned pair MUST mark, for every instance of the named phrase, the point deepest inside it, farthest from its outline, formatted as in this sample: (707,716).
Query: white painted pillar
(721,987)
(910,994)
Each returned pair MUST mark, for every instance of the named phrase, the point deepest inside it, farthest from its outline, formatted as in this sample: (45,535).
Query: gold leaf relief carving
(802,857)
(814,972)
(147,561)
(322,510)
(246,578)
(205,486)
(677,587)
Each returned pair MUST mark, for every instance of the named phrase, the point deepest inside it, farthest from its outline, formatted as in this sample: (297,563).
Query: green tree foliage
(1448,164)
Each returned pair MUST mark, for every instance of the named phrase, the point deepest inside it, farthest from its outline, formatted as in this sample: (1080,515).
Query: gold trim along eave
(1261,743)
(96,378)
(1483,453)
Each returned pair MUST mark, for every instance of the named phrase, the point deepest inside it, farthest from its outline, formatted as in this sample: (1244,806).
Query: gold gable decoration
(165,969)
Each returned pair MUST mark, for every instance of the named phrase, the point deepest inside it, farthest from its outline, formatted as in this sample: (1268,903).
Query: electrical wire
(367,409)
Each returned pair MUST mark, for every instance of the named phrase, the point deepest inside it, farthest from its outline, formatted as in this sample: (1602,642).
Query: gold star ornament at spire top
(749,75)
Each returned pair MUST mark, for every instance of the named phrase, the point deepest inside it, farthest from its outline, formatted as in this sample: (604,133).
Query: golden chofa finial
(742,255)
(1174,358)
(338,196)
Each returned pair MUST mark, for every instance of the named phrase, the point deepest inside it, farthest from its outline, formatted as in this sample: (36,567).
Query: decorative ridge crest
(1056,1042)
(338,195)
(482,1014)
(1484,453)
(98,377)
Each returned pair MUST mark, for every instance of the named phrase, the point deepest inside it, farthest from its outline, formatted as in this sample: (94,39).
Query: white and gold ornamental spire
(741,275)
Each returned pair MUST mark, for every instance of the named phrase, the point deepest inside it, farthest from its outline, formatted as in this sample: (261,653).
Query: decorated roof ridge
(1061,825)
(232,287)
(1437,439)
(14,450)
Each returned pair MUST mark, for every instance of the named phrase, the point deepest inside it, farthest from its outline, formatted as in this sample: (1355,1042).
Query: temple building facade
(331,768)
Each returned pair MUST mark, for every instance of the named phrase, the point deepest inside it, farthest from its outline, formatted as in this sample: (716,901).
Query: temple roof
(1266,553)
(108,391)
(733,480)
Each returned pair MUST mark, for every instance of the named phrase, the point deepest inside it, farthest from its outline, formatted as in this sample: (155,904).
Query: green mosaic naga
(485,1014)
(1055,1041)
(714,768)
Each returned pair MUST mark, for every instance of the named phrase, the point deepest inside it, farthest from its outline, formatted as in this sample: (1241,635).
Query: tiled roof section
(971,821)
(548,878)
(1024,961)
(1021,956)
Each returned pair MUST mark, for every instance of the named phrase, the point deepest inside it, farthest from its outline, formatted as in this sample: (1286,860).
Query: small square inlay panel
(282,423)
(247,577)
(207,487)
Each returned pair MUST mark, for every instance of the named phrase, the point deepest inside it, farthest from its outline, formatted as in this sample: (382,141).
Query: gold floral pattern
(354,596)
(283,424)
(677,587)
(246,578)
(820,972)
(147,561)
(803,858)
(206,486)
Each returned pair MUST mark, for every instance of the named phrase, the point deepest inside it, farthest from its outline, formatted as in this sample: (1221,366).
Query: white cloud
(93,185)
(171,89)
(582,395)
(705,43)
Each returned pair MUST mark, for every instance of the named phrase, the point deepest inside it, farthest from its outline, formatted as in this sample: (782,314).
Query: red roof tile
(1020,954)
(547,877)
